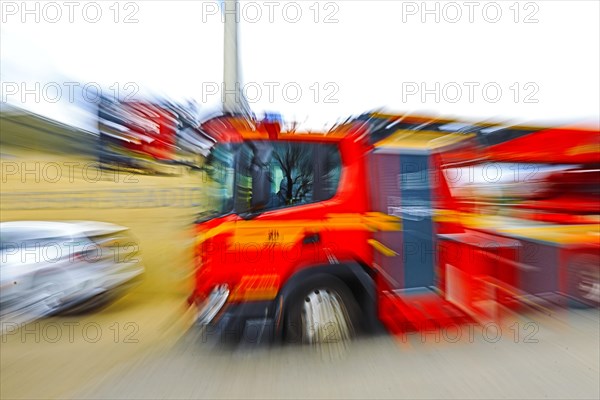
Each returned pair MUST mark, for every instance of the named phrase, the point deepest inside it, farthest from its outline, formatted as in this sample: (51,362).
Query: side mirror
(261,187)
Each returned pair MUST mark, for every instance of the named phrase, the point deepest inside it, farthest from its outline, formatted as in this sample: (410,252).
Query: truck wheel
(584,280)
(323,310)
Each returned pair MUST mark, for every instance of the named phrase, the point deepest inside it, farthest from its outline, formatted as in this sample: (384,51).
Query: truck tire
(322,310)
(584,280)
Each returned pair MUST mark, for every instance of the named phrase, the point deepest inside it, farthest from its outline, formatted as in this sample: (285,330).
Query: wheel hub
(325,318)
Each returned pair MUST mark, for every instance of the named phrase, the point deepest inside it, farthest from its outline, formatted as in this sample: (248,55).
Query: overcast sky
(316,62)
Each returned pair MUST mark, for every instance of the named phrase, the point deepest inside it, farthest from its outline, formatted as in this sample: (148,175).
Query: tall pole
(233,101)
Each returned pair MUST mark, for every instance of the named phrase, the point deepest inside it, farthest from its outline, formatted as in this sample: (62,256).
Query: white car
(50,267)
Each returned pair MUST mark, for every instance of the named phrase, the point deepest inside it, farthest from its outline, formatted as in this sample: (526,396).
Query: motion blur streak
(184,213)
(52,172)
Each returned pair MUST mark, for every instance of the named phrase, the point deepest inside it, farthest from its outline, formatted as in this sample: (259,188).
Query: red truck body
(395,241)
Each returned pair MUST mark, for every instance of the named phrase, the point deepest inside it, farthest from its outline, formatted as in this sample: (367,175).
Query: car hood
(64,228)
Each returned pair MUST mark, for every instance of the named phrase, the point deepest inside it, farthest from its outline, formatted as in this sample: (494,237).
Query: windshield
(220,171)
(292,173)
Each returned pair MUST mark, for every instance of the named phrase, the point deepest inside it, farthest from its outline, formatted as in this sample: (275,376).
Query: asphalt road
(547,357)
(556,358)
(147,349)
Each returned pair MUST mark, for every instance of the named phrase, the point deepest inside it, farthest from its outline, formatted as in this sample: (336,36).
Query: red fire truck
(393,221)
(148,135)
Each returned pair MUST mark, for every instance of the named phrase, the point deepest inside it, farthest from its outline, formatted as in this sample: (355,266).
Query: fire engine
(148,135)
(392,222)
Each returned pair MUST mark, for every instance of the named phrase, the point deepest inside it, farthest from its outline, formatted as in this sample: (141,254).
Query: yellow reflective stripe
(256,287)
(217,230)
(380,247)
(583,149)
(406,139)
(565,234)
(383,222)
(257,231)
(446,216)
(549,232)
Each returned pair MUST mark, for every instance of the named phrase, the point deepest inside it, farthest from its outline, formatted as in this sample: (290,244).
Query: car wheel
(323,310)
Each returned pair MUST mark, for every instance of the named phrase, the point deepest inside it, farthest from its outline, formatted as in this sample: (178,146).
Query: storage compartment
(478,272)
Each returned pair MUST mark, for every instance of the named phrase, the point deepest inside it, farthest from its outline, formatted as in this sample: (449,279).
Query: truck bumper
(247,323)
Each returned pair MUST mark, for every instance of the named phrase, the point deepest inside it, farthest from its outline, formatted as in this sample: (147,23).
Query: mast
(233,99)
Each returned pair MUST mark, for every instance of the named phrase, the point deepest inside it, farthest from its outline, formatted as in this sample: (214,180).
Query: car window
(19,236)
